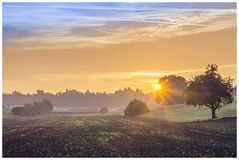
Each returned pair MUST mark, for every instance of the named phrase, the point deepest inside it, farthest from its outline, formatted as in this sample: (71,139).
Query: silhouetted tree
(209,89)
(172,88)
(39,92)
(136,107)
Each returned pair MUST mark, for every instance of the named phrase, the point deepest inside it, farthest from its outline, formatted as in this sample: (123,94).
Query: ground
(59,135)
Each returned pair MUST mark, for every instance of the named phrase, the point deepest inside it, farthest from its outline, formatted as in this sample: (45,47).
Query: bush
(104,110)
(136,107)
(17,110)
(41,107)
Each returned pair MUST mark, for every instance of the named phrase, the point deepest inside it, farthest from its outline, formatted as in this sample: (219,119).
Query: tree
(172,88)
(104,110)
(40,92)
(40,107)
(136,107)
(47,105)
(209,89)
(234,92)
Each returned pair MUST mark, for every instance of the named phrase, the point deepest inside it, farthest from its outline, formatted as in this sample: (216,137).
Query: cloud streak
(150,75)
(68,25)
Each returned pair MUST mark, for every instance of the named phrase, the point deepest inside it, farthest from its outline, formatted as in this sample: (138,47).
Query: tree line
(209,89)
(74,98)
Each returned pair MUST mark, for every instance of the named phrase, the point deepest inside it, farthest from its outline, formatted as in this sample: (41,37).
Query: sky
(109,46)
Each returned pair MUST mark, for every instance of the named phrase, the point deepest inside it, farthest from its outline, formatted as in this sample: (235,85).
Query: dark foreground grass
(117,136)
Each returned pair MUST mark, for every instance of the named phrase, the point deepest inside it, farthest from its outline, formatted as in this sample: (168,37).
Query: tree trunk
(213,113)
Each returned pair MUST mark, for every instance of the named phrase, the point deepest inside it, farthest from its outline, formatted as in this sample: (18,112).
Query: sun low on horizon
(157,87)
(110,46)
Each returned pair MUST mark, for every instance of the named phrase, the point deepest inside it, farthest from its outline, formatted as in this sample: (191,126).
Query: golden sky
(109,55)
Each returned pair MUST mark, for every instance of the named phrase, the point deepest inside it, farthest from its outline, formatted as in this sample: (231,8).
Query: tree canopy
(172,88)
(136,107)
(209,89)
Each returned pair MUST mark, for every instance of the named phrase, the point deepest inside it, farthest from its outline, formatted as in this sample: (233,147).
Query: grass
(167,131)
(185,113)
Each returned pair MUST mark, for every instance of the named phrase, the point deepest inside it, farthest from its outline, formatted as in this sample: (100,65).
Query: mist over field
(117,79)
(74,98)
(87,132)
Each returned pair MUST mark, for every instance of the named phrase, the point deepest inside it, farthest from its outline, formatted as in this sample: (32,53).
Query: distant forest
(74,98)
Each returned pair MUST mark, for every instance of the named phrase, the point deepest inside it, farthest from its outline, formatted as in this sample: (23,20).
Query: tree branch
(208,106)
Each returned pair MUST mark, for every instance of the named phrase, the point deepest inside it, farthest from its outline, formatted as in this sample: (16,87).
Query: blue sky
(101,23)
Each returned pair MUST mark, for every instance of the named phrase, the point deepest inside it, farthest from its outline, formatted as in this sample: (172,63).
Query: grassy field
(185,113)
(168,131)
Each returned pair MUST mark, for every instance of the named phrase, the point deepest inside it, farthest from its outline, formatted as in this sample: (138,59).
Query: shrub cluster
(136,107)
(37,108)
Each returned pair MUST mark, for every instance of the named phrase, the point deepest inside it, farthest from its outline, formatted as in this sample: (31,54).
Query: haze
(107,46)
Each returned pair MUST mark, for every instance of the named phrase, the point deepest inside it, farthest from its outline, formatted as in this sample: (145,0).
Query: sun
(157,87)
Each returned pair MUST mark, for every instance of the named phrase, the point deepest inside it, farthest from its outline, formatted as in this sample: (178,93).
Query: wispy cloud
(152,75)
(95,24)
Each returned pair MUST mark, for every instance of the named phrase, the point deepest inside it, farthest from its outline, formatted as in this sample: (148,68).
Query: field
(165,132)
(185,113)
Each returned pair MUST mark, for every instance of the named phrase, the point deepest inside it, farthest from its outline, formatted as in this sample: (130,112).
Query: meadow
(65,65)
(167,131)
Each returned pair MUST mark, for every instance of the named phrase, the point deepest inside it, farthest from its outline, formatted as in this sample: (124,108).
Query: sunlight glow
(157,86)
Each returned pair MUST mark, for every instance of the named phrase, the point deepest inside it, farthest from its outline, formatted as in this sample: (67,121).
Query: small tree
(209,89)
(104,110)
(136,107)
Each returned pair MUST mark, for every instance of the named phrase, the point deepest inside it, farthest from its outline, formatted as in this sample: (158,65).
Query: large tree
(172,88)
(209,89)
